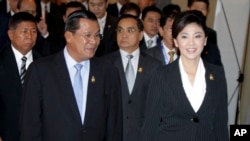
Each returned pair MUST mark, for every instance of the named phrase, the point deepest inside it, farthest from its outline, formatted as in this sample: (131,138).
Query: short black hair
(187,17)
(20,17)
(171,8)
(169,11)
(130,6)
(128,16)
(150,9)
(190,2)
(72,22)
(73,4)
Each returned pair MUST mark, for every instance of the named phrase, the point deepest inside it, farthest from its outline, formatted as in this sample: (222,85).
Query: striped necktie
(23,69)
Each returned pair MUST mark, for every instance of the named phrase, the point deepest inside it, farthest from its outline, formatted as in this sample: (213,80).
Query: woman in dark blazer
(187,99)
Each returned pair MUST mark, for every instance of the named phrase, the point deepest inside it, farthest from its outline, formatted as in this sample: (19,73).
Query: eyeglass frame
(88,36)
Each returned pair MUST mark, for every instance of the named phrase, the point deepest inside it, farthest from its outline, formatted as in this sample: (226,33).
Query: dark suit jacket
(170,116)
(211,54)
(3,7)
(134,104)
(10,95)
(49,109)
(212,36)
(156,52)
(108,43)
(113,10)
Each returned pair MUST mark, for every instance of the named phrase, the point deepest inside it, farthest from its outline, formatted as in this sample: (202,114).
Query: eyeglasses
(129,30)
(88,36)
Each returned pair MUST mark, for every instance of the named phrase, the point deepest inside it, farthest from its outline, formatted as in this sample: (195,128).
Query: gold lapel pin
(211,77)
(140,69)
(93,79)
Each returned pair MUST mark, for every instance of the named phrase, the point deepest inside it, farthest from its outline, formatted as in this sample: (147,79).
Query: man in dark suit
(115,8)
(129,34)
(151,20)
(203,6)
(58,41)
(71,96)
(52,15)
(22,33)
(107,25)
(165,51)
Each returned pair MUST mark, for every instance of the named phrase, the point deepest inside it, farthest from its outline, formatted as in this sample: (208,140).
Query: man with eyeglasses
(107,25)
(72,96)
(135,68)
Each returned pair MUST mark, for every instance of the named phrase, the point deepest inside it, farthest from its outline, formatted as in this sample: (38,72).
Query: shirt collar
(148,38)
(119,5)
(43,5)
(71,61)
(19,55)
(103,19)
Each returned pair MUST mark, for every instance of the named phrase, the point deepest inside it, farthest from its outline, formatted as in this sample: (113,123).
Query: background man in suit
(129,34)
(42,44)
(211,52)
(203,6)
(58,42)
(151,20)
(107,25)
(71,96)
(14,60)
(165,50)
(115,8)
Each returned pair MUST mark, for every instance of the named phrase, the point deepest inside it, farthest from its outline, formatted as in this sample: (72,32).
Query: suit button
(126,117)
(129,102)
(84,131)
(195,119)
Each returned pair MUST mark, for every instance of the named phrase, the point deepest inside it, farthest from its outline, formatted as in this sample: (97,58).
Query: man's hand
(1,139)
(42,27)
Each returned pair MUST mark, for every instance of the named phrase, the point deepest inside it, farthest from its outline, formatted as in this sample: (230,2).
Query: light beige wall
(210,18)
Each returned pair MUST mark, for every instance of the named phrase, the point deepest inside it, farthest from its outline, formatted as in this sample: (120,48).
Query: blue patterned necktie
(78,87)
(23,69)
(130,75)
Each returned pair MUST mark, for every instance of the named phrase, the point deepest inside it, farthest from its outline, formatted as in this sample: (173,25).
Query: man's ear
(68,36)
(205,42)
(175,43)
(161,31)
(11,34)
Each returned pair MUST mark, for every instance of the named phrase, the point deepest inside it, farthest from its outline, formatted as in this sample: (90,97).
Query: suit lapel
(118,64)
(64,82)
(140,74)
(210,87)
(109,25)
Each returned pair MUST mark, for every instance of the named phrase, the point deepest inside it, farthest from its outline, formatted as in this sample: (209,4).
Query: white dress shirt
(102,22)
(134,60)
(154,39)
(43,8)
(19,57)
(166,49)
(196,92)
